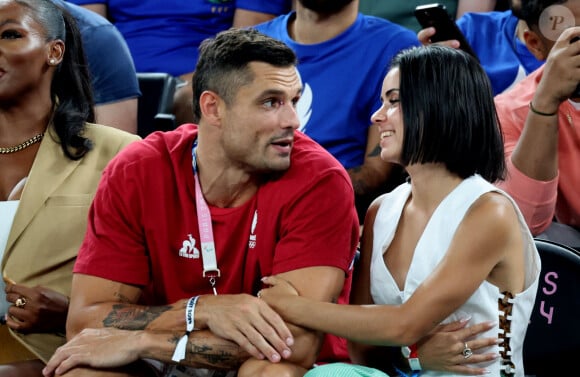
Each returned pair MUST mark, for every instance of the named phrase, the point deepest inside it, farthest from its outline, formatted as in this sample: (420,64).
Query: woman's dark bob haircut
(448,112)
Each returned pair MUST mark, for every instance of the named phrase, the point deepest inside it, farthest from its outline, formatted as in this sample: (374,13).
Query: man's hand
(561,74)
(441,349)
(97,348)
(247,321)
(425,35)
(36,309)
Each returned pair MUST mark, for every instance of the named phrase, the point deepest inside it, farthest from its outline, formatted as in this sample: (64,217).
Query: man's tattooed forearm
(129,317)
(204,353)
(122,298)
(221,357)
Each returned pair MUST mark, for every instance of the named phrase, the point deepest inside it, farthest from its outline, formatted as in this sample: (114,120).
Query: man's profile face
(259,124)
(555,19)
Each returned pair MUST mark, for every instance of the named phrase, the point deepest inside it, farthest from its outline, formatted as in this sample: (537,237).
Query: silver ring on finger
(467,352)
(20,302)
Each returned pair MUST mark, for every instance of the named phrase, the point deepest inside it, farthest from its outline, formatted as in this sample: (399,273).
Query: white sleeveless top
(7,213)
(430,250)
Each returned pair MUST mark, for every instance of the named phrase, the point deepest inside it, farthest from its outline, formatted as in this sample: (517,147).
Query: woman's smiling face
(388,119)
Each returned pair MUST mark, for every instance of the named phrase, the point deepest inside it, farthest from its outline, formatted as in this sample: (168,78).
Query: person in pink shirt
(540,120)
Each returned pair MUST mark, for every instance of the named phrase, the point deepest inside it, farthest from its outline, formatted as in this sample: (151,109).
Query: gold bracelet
(541,113)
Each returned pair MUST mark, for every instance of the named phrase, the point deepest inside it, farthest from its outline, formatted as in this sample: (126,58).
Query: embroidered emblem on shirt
(252,240)
(188,249)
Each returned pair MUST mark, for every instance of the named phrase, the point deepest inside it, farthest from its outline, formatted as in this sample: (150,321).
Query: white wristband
(414,363)
(412,356)
(181,348)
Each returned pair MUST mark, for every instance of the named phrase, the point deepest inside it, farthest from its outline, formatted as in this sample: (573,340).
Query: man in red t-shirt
(266,197)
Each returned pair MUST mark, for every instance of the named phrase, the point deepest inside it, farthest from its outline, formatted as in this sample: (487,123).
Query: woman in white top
(444,246)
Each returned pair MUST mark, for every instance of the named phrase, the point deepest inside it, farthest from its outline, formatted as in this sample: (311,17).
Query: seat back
(155,103)
(553,337)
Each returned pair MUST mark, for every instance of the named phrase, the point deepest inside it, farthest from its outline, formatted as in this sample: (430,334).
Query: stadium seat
(553,337)
(155,103)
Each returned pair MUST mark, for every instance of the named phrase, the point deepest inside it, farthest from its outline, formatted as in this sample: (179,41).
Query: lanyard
(208,255)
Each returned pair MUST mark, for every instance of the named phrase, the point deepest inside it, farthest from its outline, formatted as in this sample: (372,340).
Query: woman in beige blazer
(51,158)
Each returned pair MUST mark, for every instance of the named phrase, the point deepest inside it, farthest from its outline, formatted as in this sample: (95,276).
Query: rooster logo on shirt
(188,249)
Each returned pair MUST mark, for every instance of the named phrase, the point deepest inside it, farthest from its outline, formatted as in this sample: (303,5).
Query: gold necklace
(33,140)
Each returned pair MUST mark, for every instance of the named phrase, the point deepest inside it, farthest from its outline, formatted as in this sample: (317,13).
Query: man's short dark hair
(448,112)
(223,61)
(531,10)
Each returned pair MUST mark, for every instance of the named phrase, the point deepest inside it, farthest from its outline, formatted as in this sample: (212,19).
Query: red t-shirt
(143,226)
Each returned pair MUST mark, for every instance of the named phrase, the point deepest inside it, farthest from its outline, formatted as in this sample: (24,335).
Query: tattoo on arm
(129,317)
(205,353)
(122,298)
(218,358)
(360,186)
(375,152)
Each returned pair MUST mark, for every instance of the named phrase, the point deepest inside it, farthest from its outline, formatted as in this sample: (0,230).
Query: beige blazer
(50,222)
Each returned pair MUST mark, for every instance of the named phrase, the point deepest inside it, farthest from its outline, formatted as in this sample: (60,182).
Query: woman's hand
(441,349)
(278,287)
(36,309)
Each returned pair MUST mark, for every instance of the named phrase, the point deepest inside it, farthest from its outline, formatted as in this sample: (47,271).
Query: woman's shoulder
(494,212)
(102,131)
(107,138)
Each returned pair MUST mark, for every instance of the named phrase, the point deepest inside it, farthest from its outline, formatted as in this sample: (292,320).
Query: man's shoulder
(310,164)
(383,34)
(382,25)
(486,19)
(308,152)
(158,148)
(274,26)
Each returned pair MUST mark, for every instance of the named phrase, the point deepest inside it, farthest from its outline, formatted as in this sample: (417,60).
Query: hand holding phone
(576,93)
(436,16)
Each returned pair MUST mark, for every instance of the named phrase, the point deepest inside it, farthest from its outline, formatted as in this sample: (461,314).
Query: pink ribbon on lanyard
(208,254)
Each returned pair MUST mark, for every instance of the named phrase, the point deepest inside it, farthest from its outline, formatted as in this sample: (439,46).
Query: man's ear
(55,52)
(210,106)
(536,45)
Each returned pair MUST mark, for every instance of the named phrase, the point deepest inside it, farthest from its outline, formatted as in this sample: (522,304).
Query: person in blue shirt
(497,38)
(111,68)
(343,56)
(163,36)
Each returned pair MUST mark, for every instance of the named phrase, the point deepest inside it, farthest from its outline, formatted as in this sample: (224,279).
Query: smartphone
(435,15)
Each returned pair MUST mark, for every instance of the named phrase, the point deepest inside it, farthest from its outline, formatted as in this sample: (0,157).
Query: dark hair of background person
(222,65)
(71,91)
(448,112)
(532,9)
